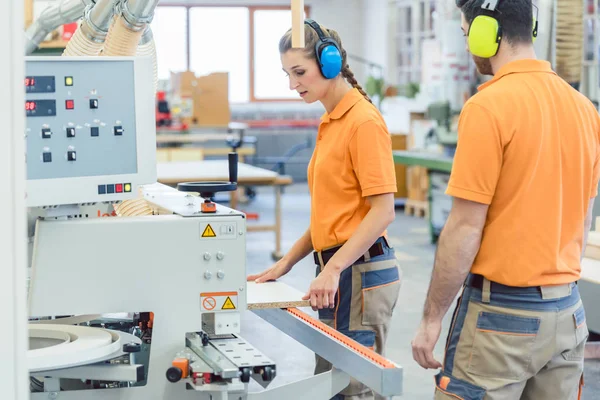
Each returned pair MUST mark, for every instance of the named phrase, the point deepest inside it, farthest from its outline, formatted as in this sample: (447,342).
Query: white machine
(143,307)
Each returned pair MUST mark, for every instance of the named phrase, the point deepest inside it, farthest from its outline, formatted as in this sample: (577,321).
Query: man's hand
(424,343)
(323,289)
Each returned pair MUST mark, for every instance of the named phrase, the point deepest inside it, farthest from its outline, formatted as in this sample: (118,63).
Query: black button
(71,155)
(70,132)
(118,131)
(47,157)
(110,188)
(93,103)
(101,189)
(95,131)
(46,133)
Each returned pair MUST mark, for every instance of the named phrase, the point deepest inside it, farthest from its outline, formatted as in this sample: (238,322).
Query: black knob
(233,167)
(131,348)
(174,374)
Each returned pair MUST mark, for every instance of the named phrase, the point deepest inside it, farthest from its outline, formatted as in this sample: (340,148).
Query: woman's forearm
(299,250)
(376,221)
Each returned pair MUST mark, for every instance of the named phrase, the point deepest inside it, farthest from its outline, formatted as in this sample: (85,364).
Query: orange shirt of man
(529,146)
(352,160)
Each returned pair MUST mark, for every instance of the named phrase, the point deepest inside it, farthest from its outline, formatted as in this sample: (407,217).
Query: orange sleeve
(372,159)
(478,159)
(596,176)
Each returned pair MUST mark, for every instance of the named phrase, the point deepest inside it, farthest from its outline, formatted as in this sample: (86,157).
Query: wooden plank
(212,170)
(590,270)
(274,295)
(594,238)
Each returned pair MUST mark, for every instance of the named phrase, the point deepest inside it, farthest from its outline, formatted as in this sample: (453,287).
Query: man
(524,179)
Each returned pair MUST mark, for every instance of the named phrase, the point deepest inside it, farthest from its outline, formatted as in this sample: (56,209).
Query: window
(270,82)
(169,28)
(242,41)
(219,42)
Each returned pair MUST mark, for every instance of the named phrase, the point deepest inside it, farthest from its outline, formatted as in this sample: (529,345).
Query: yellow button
(127,187)
(69,81)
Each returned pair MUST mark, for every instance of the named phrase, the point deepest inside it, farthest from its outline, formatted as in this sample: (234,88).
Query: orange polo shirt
(351,161)
(529,146)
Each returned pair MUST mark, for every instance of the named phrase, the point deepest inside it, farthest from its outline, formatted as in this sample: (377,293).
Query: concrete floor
(409,236)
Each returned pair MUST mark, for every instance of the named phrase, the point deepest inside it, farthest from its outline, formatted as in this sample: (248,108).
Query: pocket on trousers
(502,345)
(581,335)
(448,387)
(379,295)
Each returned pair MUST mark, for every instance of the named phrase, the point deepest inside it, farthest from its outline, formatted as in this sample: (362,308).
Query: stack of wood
(417,203)
(569,39)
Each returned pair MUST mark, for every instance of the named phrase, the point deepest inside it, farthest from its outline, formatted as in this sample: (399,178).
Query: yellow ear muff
(484,36)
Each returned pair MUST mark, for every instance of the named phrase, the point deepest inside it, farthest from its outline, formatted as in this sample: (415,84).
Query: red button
(70,104)
(119,188)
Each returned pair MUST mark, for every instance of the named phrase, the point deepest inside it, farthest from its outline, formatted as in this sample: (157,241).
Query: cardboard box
(183,83)
(211,100)
(210,96)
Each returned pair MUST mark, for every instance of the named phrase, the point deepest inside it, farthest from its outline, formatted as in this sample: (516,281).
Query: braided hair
(310,39)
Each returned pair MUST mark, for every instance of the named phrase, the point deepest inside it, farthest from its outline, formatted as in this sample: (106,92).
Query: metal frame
(13,346)
(385,381)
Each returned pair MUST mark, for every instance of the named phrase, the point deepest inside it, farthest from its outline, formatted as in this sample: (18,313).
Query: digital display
(40,108)
(40,84)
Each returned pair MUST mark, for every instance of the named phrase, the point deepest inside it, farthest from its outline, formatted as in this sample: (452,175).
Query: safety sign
(209,232)
(219,301)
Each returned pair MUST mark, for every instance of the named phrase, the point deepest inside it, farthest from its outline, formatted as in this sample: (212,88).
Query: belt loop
(486,290)
(367,255)
(320,257)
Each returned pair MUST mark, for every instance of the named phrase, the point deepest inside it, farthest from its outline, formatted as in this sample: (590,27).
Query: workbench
(589,288)
(438,167)
(172,173)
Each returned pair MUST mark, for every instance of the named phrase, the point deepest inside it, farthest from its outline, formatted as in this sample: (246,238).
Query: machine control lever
(207,190)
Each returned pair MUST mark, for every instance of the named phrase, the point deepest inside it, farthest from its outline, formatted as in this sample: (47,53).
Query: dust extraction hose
(82,45)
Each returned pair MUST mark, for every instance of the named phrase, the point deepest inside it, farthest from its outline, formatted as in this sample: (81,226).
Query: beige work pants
(509,343)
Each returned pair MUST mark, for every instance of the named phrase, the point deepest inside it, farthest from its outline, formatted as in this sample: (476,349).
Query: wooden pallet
(416,208)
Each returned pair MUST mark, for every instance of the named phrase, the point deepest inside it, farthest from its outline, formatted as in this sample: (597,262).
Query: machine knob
(207,275)
(174,374)
(206,256)
(131,348)
(220,274)
(220,255)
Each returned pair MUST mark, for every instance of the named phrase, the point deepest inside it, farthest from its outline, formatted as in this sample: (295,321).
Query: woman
(352,182)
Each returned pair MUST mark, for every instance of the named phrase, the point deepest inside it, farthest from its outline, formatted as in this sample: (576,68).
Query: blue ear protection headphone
(328,53)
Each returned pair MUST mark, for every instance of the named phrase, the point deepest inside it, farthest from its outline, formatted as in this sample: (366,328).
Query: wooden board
(590,270)
(274,295)
(212,170)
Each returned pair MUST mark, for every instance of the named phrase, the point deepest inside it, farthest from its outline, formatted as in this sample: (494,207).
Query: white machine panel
(90,131)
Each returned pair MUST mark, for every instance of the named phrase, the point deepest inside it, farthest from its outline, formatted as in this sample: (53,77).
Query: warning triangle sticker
(209,232)
(228,305)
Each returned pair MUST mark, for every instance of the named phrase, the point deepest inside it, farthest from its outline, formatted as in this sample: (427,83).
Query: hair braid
(349,75)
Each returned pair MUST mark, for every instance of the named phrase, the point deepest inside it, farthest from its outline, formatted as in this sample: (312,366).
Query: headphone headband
(490,5)
(327,51)
(316,27)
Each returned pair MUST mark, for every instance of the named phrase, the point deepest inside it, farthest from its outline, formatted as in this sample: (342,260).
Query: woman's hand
(323,289)
(279,269)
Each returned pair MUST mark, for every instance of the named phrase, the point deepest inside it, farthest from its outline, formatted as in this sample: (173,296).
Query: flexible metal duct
(66,11)
(131,20)
(89,38)
(147,48)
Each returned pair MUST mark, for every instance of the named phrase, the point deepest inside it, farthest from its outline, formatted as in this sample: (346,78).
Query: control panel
(90,133)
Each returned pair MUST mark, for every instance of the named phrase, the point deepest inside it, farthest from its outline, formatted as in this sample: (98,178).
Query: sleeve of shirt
(478,158)
(372,159)
(596,174)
